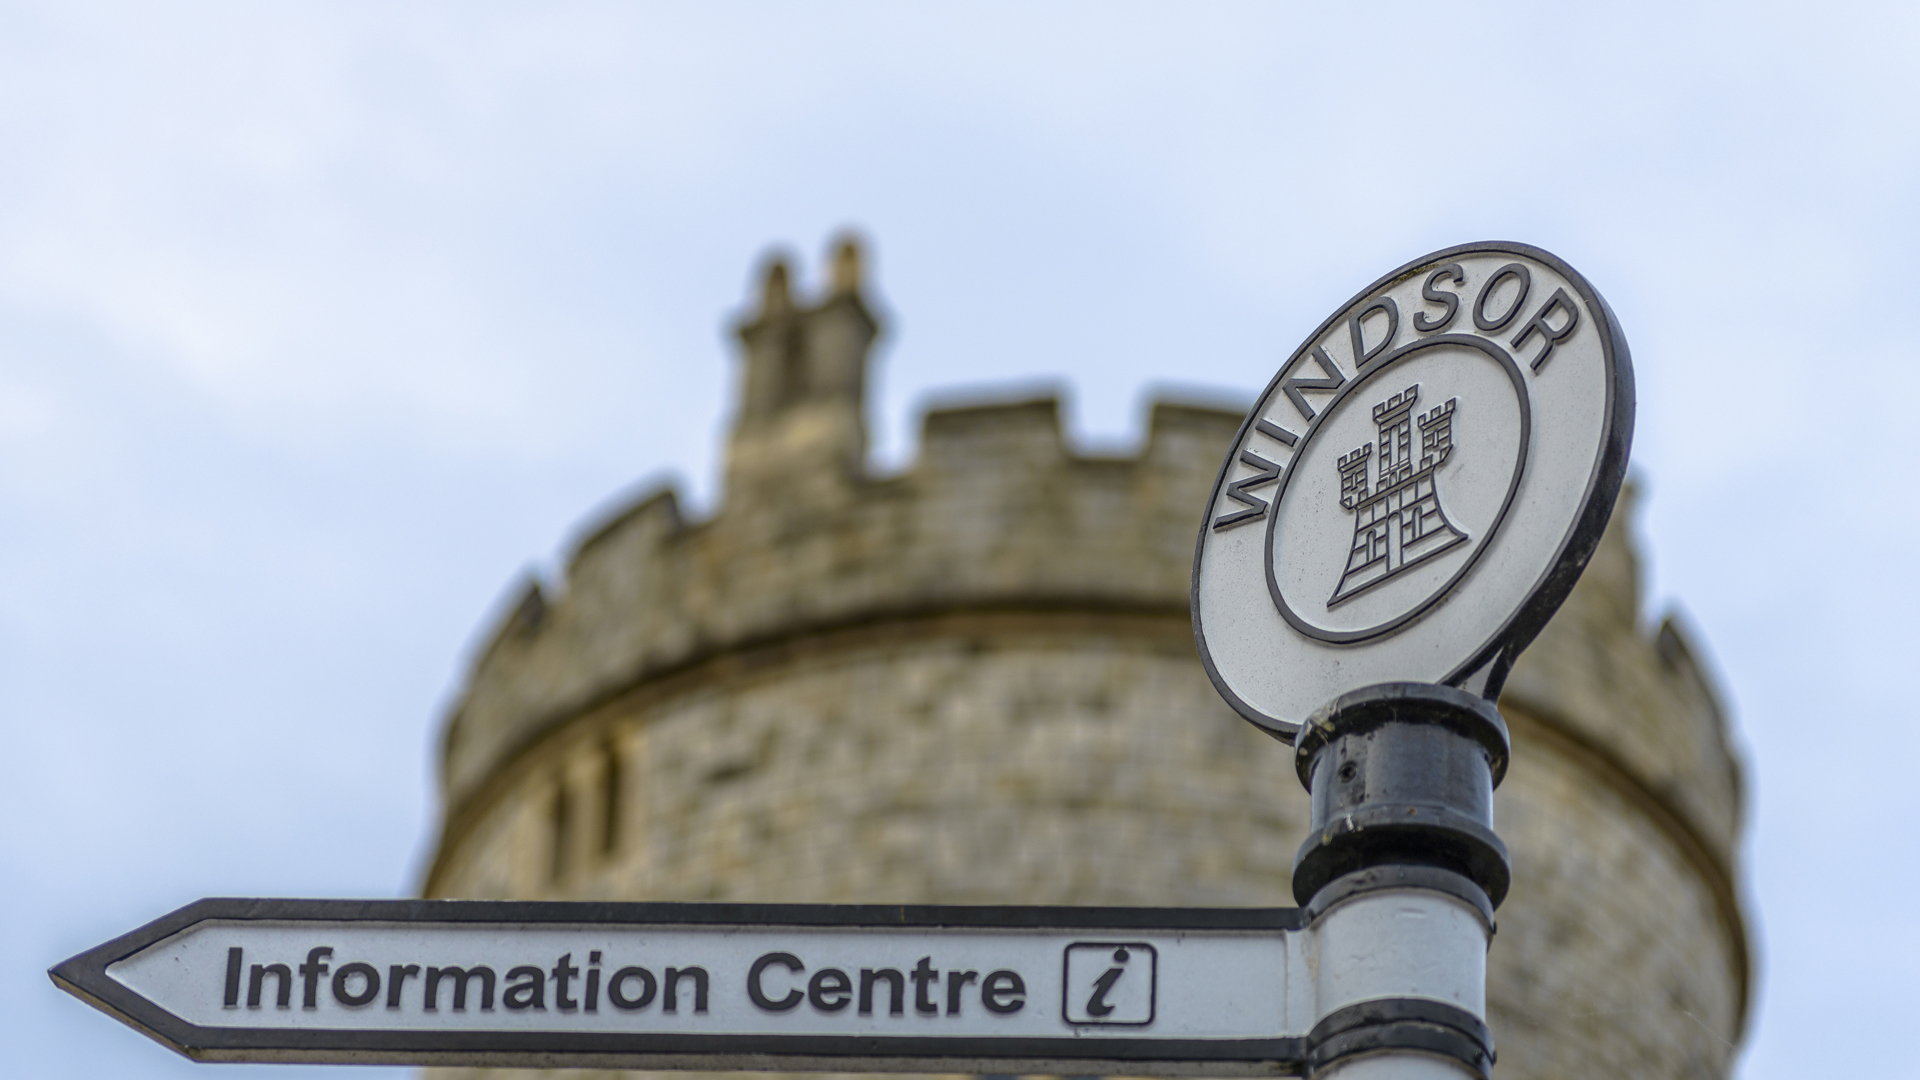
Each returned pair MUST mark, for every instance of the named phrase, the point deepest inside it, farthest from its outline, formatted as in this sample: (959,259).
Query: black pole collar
(1370,707)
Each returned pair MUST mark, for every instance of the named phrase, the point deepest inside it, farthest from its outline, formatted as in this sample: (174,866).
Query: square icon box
(1109,982)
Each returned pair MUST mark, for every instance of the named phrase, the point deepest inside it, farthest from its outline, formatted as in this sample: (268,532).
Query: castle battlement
(1389,410)
(997,512)
(1353,476)
(1436,434)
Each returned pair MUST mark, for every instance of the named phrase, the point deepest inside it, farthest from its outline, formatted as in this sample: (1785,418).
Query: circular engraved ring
(1418,487)
(1376,556)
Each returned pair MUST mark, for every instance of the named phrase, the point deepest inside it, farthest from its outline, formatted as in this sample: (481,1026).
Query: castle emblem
(1398,522)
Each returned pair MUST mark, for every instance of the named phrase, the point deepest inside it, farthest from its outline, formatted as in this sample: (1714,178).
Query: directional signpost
(1408,502)
(1401,512)
(714,986)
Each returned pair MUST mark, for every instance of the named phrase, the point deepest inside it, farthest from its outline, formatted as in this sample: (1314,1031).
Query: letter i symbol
(1097,1004)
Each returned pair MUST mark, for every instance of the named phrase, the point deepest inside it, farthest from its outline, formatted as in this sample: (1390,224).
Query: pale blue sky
(319,324)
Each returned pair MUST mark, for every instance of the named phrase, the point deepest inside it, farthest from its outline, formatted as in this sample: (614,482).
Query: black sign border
(1497,654)
(85,977)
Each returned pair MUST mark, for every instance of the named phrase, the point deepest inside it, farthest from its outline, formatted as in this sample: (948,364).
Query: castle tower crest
(1400,523)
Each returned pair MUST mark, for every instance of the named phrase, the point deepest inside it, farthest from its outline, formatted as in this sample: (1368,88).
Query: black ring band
(1417,1024)
(1397,834)
(1371,706)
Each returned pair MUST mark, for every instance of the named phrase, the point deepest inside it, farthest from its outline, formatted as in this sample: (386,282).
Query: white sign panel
(1020,990)
(1418,488)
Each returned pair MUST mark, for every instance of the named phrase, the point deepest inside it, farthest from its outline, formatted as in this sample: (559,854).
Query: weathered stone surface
(975,682)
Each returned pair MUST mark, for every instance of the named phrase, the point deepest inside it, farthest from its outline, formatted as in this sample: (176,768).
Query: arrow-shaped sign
(715,986)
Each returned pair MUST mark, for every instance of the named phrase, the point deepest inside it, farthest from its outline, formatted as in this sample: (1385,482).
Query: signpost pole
(1400,877)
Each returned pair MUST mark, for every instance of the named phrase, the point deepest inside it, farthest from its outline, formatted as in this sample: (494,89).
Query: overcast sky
(321,324)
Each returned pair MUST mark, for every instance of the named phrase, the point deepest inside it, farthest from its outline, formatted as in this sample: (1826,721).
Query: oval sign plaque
(1418,488)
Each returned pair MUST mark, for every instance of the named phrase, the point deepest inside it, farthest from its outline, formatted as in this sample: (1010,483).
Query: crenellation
(976,440)
(1173,424)
(996,510)
(650,518)
(1396,407)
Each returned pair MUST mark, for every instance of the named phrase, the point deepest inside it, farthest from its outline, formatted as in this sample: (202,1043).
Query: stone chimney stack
(801,427)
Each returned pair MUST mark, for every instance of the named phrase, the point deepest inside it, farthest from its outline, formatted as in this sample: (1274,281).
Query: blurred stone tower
(975,682)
